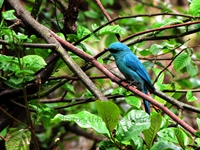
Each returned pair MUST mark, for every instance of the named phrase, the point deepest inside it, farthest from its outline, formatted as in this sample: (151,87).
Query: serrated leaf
(133,123)
(109,112)
(133,101)
(194,8)
(181,61)
(190,97)
(82,32)
(116,29)
(18,140)
(85,120)
(166,22)
(33,62)
(149,134)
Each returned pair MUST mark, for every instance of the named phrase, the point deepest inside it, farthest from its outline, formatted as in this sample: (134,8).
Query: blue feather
(131,67)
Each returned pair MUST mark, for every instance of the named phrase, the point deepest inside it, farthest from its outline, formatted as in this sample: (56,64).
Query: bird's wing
(134,63)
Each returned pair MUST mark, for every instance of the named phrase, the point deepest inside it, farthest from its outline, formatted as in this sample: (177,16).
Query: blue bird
(131,67)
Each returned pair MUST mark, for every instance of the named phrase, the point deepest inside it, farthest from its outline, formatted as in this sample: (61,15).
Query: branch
(161,29)
(89,58)
(44,32)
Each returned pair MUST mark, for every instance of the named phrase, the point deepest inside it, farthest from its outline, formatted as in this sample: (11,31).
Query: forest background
(60,89)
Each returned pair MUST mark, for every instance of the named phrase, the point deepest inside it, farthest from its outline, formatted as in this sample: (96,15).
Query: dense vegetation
(61,90)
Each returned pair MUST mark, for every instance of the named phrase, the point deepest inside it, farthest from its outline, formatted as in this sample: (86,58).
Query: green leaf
(168,134)
(82,32)
(181,137)
(110,29)
(18,140)
(155,49)
(72,37)
(181,61)
(198,122)
(197,134)
(190,97)
(197,140)
(194,8)
(69,87)
(107,145)
(161,76)
(43,115)
(150,134)
(133,123)
(85,120)
(192,69)
(33,62)
(164,145)
(120,91)
(109,112)
(24,72)
(145,52)
(166,22)
(1,3)
(137,142)
(9,15)
(100,60)
(91,14)
(133,101)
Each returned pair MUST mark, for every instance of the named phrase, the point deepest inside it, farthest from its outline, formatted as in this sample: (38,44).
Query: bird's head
(118,49)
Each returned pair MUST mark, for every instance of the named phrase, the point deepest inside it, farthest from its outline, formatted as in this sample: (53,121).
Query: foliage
(37,78)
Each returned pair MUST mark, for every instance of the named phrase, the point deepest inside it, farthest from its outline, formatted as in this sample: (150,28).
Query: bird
(131,67)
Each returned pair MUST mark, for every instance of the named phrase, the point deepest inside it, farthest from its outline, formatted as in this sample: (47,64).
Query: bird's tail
(146,103)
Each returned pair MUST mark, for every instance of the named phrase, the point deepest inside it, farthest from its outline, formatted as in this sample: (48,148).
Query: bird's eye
(112,51)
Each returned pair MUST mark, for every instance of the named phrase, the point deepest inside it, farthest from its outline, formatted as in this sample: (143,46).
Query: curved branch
(89,58)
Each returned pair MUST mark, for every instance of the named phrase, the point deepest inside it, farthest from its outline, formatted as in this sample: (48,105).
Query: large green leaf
(182,137)
(133,101)
(109,112)
(168,134)
(18,140)
(9,14)
(181,61)
(82,32)
(195,8)
(110,29)
(133,123)
(137,142)
(164,145)
(34,62)
(149,134)
(85,120)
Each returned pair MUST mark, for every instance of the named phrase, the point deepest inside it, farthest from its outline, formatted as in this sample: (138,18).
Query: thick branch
(44,32)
